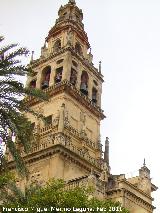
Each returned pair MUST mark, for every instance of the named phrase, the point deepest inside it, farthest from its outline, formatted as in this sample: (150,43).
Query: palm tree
(12,106)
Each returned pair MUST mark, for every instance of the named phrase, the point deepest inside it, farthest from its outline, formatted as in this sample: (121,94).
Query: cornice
(57,149)
(137,189)
(130,195)
(68,88)
(64,25)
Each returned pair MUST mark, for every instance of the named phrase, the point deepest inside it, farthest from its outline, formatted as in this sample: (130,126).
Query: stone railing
(76,133)
(77,182)
(49,128)
(65,141)
(53,139)
(97,184)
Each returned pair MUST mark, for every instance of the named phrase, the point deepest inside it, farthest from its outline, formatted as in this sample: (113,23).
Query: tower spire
(106,152)
(100,66)
(144,162)
(72,2)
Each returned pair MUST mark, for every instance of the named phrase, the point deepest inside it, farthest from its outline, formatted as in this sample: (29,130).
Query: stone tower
(69,138)
(68,142)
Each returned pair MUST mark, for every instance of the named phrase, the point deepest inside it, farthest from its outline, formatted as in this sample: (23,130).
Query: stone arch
(32,83)
(73,77)
(45,77)
(84,83)
(94,95)
(57,45)
(78,48)
(58,76)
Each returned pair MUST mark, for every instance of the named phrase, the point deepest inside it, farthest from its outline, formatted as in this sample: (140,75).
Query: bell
(58,77)
(83,87)
(45,84)
(94,100)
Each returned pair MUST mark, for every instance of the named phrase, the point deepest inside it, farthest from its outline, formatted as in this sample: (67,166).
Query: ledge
(67,87)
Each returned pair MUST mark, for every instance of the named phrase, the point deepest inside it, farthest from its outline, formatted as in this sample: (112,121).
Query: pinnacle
(144,163)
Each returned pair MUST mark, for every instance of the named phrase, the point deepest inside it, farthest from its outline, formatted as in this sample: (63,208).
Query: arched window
(46,77)
(32,84)
(94,95)
(73,77)
(78,48)
(84,83)
(58,76)
(57,45)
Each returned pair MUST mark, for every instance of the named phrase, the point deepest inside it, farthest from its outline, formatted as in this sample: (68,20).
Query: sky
(125,36)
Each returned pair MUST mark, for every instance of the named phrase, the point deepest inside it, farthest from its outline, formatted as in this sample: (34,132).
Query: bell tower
(68,143)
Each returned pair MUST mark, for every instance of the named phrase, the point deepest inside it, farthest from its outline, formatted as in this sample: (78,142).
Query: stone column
(90,86)
(99,94)
(79,73)
(67,66)
(61,119)
(52,75)
(38,83)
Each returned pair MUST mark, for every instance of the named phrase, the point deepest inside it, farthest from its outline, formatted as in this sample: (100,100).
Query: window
(57,45)
(2,57)
(48,120)
(33,125)
(73,77)
(78,48)
(94,95)
(84,83)
(58,76)
(46,77)
(32,84)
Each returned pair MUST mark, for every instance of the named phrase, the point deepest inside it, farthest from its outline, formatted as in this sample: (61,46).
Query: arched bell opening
(32,84)
(78,48)
(94,95)
(84,83)
(58,76)
(46,77)
(57,45)
(73,77)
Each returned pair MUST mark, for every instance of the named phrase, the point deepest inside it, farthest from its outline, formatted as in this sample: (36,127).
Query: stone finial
(100,67)
(144,162)
(32,55)
(106,152)
(61,118)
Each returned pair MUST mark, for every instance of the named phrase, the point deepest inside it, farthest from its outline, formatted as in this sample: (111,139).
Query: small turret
(144,172)
(100,67)
(106,152)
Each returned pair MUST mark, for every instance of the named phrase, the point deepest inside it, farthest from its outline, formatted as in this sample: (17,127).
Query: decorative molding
(66,86)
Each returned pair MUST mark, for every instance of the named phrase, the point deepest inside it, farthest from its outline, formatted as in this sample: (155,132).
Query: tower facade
(71,128)
(67,141)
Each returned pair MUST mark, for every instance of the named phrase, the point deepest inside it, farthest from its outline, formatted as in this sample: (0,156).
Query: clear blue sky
(125,36)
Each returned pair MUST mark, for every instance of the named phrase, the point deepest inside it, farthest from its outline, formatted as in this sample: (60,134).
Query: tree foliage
(12,91)
(53,197)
